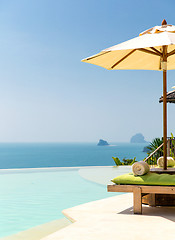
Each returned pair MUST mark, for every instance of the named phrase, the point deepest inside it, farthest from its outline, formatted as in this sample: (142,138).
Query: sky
(48,95)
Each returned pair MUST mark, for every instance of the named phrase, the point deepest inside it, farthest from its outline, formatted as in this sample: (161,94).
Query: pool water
(30,197)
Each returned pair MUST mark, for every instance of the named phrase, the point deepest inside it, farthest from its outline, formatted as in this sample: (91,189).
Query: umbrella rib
(157,51)
(87,59)
(148,51)
(121,60)
(171,53)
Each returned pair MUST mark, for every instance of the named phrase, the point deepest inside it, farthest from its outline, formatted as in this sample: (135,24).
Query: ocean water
(37,155)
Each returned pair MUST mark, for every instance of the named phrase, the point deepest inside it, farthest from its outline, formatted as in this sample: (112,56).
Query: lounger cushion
(148,179)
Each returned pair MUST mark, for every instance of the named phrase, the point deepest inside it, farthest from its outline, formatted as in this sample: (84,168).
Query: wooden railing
(170,147)
(153,153)
(152,158)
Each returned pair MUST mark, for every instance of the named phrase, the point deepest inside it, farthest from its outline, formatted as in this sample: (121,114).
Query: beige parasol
(153,49)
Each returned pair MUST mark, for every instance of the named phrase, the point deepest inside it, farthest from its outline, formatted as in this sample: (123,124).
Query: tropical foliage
(172,146)
(156,142)
(124,161)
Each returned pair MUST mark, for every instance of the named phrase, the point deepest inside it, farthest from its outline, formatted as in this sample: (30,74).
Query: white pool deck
(113,218)
(110,218)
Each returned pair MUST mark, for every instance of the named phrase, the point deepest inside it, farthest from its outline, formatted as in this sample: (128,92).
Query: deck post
(137,195)
(152,199)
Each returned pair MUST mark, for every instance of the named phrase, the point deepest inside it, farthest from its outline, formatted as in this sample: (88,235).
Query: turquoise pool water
(30,197)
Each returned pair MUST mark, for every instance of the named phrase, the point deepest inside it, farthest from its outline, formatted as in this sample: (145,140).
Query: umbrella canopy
(143,52)
(170,97)
(153,49)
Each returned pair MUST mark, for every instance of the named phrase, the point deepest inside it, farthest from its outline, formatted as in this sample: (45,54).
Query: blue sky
(48,95)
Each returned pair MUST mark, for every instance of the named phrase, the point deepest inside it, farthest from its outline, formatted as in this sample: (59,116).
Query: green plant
(128,161)
(172,146)
(156,142)
(133,161)
(117,161)
(124,161)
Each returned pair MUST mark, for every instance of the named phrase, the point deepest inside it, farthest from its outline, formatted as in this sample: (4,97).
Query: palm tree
(156,142)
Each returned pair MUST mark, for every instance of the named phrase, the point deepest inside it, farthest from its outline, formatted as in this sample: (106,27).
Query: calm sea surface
(36,155)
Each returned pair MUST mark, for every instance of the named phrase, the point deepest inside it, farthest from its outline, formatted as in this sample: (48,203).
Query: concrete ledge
(113,218)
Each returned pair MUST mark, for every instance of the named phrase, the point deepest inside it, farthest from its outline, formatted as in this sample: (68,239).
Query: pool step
(38,232)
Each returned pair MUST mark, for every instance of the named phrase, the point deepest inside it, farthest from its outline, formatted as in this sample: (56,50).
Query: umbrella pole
(164,106)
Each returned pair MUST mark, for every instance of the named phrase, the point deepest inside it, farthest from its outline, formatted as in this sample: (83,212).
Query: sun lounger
(151,188)
(139,191)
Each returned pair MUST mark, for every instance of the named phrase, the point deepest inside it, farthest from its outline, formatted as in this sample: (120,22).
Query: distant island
(102,143)
(138,138)
(145,149)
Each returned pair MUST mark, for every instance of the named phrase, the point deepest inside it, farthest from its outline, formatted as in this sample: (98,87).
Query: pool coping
(113,218)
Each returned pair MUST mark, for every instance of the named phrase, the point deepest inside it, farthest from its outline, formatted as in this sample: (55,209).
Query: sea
(41,155)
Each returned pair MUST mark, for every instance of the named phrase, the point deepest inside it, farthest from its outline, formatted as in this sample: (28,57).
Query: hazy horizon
(110,142)
(48,95)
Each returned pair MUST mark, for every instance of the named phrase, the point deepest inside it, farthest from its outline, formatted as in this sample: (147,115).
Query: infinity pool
(30,197)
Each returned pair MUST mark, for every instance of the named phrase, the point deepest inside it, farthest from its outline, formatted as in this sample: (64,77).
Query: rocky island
(102,143)
(138,138)
(145,149)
